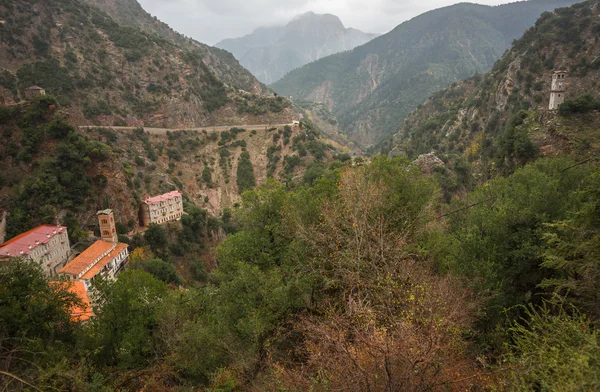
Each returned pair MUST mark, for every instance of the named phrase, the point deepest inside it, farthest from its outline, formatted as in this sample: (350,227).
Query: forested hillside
(500,120)
(221,63)
(112,74)
(353,283)
(52,172)
(373,87)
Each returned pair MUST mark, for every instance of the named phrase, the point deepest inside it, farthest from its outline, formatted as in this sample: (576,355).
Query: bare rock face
(396,151)
(427,162)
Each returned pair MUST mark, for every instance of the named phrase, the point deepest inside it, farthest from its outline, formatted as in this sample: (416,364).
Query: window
(104,221)
(106,232)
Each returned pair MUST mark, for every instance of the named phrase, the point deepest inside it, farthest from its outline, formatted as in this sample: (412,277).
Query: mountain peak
(311,18)
(270,53)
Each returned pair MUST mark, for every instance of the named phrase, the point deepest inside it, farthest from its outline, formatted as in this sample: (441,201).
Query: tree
(573,252)
(35,319)
(379,318)
(59,128)
(194,223)
(553,350)
(126,316)
(156,237)
(499,244)
(245,173)
(161,270)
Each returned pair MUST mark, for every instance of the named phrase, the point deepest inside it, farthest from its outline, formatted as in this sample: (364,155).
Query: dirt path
(162,131)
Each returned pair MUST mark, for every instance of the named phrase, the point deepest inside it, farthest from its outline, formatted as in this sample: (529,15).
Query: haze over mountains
(373,87)
(271,52)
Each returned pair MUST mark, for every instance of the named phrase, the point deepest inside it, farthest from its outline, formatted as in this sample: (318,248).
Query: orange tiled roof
(83,311)
(86,258)
(105,260)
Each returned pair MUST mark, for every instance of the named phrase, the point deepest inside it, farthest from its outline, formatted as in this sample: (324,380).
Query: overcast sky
(210,21)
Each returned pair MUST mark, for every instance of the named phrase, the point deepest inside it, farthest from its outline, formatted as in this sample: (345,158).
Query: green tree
(125,318)
(161,270)
(194,223)
(553,350)
(573,252)
(156,237)
(499,243)
(35,320)
(245,173)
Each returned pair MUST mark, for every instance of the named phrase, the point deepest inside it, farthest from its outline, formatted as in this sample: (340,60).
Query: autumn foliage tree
(383,321)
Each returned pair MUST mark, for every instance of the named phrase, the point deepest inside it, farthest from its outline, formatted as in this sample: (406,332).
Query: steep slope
(130,13)
(111,74)
(371,88)
(501,119)
(271,52)
(53,172)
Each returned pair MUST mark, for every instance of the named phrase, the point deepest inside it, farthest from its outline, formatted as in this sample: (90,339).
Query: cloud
(210,21)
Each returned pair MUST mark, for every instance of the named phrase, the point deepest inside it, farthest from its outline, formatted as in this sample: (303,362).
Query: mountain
(497,121)
(373,87)
(50,168)
(138,73)
(271,52)
(222,63)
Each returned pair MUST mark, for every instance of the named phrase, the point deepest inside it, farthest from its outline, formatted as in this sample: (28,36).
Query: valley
(371,89)
(413,211)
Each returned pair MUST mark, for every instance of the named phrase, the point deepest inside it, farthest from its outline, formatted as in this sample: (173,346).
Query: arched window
(106,232)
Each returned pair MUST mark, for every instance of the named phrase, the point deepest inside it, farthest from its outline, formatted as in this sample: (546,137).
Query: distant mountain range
(373,87)
(271,52)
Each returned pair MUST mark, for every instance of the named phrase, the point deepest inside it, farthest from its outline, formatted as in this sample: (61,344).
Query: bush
(59,128)
(583,104)
(245,173)
(207,176)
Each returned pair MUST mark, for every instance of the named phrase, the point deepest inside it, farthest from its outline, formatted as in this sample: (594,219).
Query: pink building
(46,245)
(163,208)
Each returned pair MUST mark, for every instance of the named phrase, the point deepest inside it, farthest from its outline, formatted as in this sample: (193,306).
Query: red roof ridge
(47,231)
(163,197)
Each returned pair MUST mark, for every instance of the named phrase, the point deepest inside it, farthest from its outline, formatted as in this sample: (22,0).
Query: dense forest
(361,281)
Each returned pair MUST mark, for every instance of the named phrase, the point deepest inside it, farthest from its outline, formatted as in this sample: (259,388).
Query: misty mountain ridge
(371,88)
(272,51)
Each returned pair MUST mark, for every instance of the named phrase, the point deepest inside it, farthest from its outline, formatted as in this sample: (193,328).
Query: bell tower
(558,89)
(108,231)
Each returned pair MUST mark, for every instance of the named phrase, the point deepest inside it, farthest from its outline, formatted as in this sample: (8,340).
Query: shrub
(245,173)
(582,104)
(207,176)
